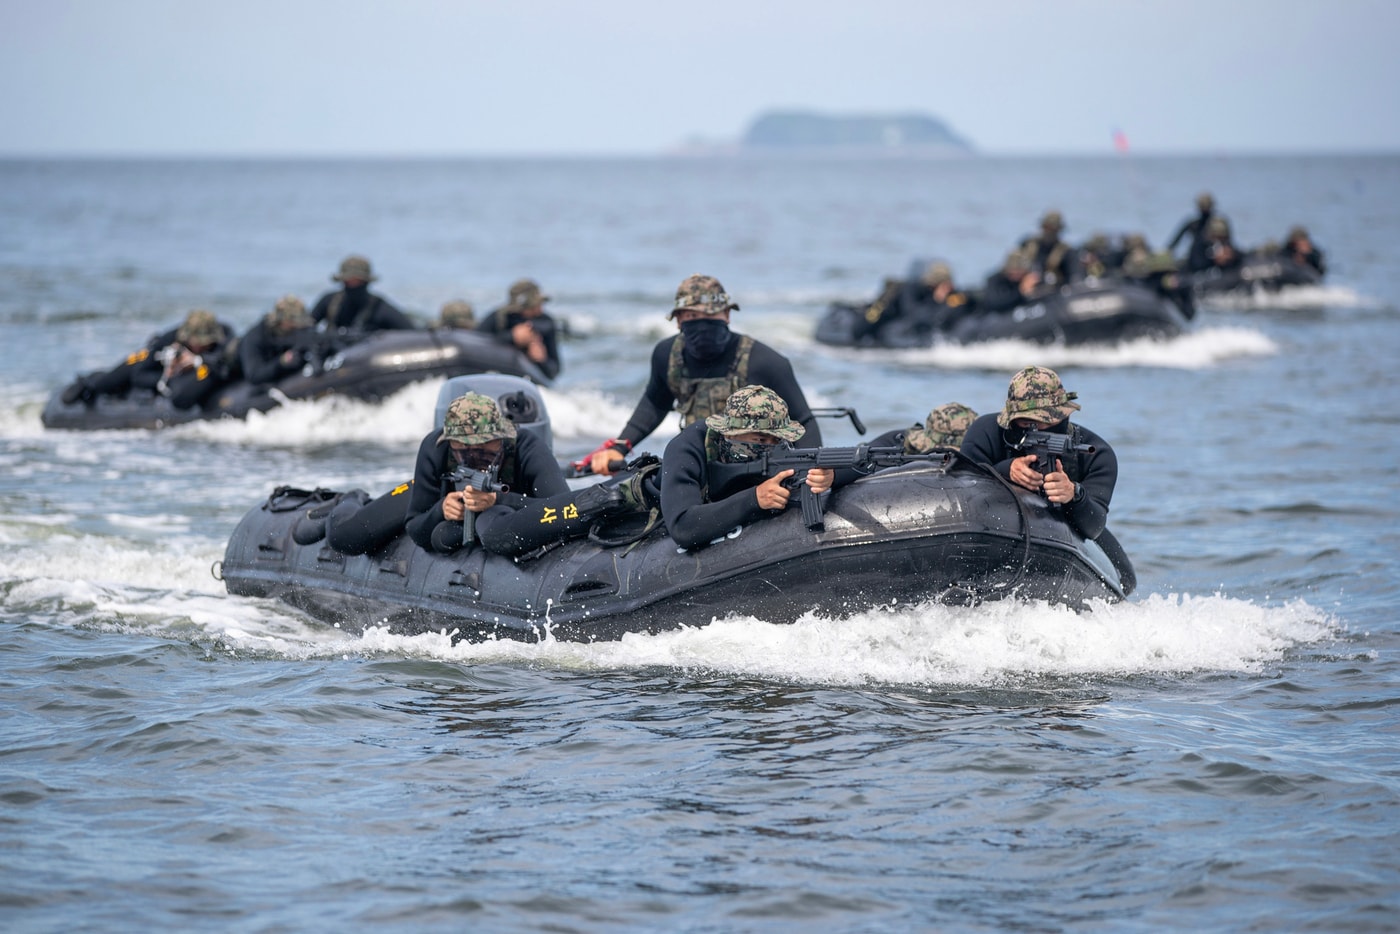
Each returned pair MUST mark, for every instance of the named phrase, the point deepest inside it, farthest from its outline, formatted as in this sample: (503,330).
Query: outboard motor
(519,400)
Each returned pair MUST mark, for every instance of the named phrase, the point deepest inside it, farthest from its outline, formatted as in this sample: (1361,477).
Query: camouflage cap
(1016,264)
(457,314)
(289,314)
(1134,241)
(703,294)
(354,267)
(1205,201)
(1098,245)
(1052,220)
(1037,395)
(935,274)
(1218,227)
(756,408)
(1297,232)
(200,329)
(525,293)
(944,428)
(474,418)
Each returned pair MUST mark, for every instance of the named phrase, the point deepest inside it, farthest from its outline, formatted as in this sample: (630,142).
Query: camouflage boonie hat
(1098,245)
(1134,241)
(474,418)
(944,428)
(703,294)
(1036,394)
(1218,227)
(354,267)
(1297,232)
(289,314)
(1205,201)
(525,293)
(200,328)
(756,408)
(1016,263)
(935,274)
(1053,220)
(458,314)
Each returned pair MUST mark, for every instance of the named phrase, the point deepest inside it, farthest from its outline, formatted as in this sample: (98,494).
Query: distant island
(800,131)
(791,129)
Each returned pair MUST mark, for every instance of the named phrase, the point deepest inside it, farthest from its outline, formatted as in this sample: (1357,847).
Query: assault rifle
(314,347)
(1047,446)
(486,481)
(862,458)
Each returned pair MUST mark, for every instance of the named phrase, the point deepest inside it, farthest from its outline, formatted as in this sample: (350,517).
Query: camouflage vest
(701,398)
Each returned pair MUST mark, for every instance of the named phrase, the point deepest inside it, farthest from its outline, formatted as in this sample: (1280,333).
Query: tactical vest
(362,317)
(701,398)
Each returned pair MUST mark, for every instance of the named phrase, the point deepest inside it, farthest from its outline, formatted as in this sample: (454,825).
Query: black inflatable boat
(950,531)
(1091,312)
(375,367)
(1259,273)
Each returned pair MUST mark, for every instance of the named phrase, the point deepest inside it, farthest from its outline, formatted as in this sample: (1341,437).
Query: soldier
(1194,227)
(1081,484)
(698,369)
(944,428)
(754,417)
(523,322)
(1298,246)
(534,505)
(279,344)
(457,314)
(1014,284)
(1218,250)
(187,364)
(1052,258)
(354,309)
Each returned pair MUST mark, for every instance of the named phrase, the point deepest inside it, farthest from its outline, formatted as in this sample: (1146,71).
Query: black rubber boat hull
(1084,313)
(1257,273)
(905,535)
(369,370)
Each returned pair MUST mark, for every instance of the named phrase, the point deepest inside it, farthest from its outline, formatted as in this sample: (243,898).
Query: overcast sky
(436,77)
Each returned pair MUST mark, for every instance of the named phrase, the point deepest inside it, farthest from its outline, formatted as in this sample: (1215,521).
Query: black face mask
(705,338)
(741,452)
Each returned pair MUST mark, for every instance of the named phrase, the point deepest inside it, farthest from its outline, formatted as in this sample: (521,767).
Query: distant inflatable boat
(1099,312)
(1258,273)
(369,370)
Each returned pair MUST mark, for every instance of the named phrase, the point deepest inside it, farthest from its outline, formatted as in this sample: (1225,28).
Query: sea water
(1219,752)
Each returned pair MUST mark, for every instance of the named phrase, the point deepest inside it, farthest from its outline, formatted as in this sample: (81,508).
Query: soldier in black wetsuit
(1054,260)
(353,309)
(1300,249)
(1081,484)
(187,364)
(279,345)
(695,510)
(1016,283)
(537,508)
(522,321)
(1216,249)
(1194,227)
(699,369)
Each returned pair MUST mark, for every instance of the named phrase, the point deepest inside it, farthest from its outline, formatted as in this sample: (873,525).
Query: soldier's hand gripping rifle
(485,481)
(862,458)
(1047,446)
